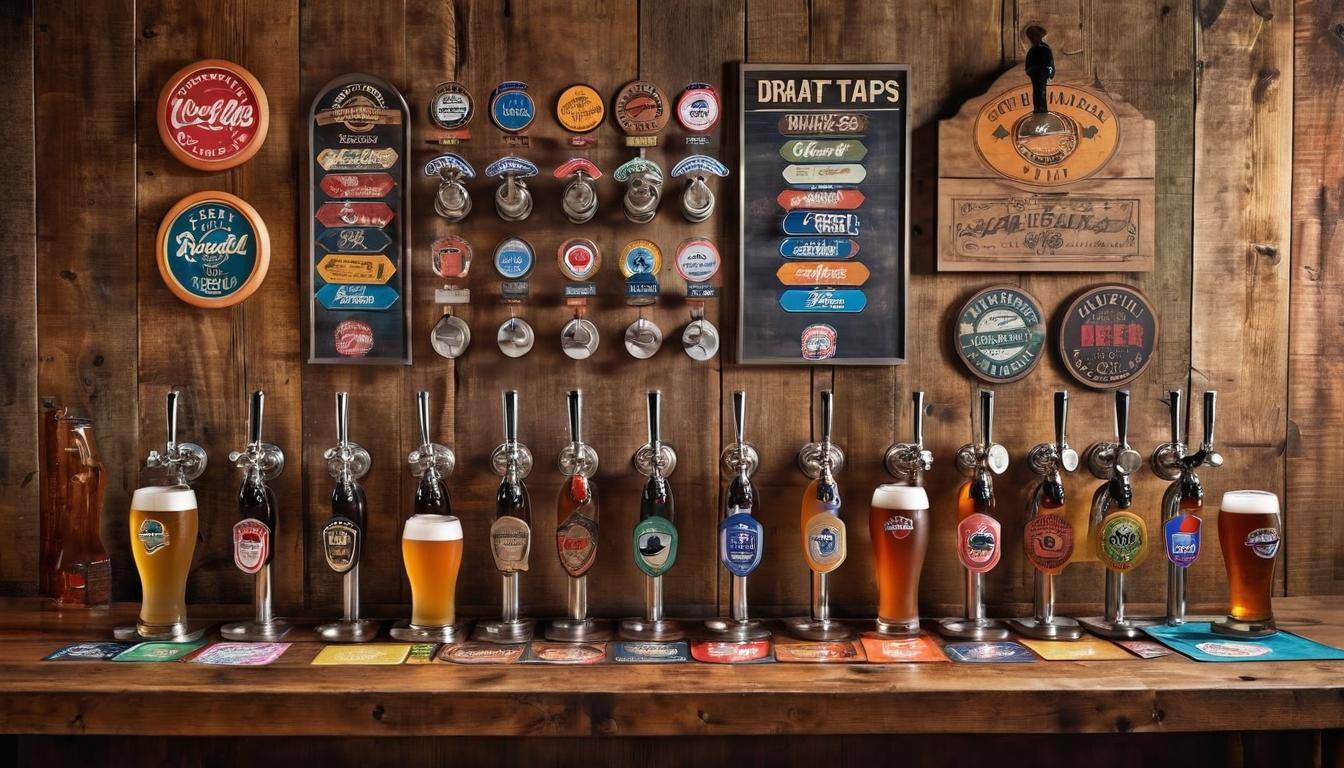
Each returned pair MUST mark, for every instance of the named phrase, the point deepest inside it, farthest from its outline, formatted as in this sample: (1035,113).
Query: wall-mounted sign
(824,225)
(1000,334)
(1108,335)
(212,249)
(359,238)
(213,115)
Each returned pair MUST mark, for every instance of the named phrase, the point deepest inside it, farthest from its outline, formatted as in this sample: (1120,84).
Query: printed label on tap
(340,544)
(978,540)
(655,542)
(824,542)
(740,543)
(1181,534)
(251,545)
(510,542)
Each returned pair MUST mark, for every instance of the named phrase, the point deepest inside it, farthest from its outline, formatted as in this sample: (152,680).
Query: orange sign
(822,273)
(1074,148)
(356,268)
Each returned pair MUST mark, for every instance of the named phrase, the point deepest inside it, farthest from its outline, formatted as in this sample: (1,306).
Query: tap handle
(258,405)
(510,408)
(1040,66)
(987,417)
(1061,419)
(1210,409)
(173,395)
(575,415)
(917,417)
(342,418)
(1174,406)
(655,416)
(740,415)
(1122,418)
(827,414)
(422,408)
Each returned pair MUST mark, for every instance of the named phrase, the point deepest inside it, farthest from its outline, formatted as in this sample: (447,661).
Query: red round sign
(213,115)
(354,338)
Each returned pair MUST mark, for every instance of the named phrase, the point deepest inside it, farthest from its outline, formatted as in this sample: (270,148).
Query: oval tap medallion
(512,108)
(641,257)
(1089,141)
(213,115)
(1000,333)
(697,259)
(1108,336)
(1122,541)
(212,249)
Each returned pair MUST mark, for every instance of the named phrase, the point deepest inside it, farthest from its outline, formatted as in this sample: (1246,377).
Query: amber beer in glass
(432,548)
(163,540)
(1248,533)
(898,523)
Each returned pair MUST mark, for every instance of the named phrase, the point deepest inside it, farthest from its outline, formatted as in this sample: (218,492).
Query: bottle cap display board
(358,223)
(824,227)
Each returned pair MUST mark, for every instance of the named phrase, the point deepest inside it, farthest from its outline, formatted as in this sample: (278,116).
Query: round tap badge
(1122,541)
(697,260)
(1085,142)
(641,109)
(213,115)
(451,257)
(580,109)
(579,258)
(699,107)
(1000,334)
(451,107)
(514,258)
(1108,336)
(212,249)
(641,257)
(511,107)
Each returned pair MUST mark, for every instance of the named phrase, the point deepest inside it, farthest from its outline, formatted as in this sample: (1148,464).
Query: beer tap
(1122,536)
(511,533)
(579,202)
(644,188)
(697,200)
(430,464)
(513,200)
(741,538)
(179,462)
(254,534)
(1183,500)
(908,462)
(576,534)
(823,530)
(655,536)
(343,534)
(978,533)
(1048,540)
(451,201)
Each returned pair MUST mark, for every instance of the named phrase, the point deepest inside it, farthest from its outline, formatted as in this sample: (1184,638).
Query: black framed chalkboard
(824,184)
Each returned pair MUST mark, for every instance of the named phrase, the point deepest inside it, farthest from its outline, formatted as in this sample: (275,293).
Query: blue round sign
(514,259)
(213,249)
(512,110)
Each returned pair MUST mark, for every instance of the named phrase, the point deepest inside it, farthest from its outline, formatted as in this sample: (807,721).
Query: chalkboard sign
(824,184)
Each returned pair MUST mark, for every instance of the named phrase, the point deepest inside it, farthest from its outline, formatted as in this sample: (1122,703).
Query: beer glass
(163,540)
(432,548)
(898,523)
(1249,534)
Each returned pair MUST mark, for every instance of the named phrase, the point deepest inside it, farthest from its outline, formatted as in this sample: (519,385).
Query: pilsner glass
(898,523)
(1248,533)
(432,548)
(163,540)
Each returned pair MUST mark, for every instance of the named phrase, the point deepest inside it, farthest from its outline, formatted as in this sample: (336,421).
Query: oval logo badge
(1048,542)
(641,257)
(978,542)
(740,543)
(213,250)
(451,106)
(1007,142)
(514,258)
(1108,336)
(1181,534)
(579,258)
(1000,334)
(1264,542)
(1122,541)
(824,542)
(353,338)
(655,542)
(641,109)
(213,115)
(510,542)
(251,545)
(699,107)
(818,342)
(697,260)
(576,545)
(580,109)
(512,108)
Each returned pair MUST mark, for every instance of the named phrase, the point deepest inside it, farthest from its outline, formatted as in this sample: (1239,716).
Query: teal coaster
(1197,641)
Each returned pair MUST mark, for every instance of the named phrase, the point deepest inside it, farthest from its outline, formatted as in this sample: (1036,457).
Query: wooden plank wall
(1245,112)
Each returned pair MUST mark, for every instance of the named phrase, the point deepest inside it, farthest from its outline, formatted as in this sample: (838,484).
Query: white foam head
(156,498)
(432,528)
(896,496)
(1250,503)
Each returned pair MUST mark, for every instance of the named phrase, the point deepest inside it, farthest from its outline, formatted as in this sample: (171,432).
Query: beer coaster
(544,652)
(480,653)
(1086,648)
(631,652)
(422,653)
(367,654)
(881,649)
(1197,641)
(159,651)
(989,653)
(823,652)
(722,652)
(1145,649)
(240,654)
(87,652)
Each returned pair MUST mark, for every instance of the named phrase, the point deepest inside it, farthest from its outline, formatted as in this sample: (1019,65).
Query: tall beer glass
(432,548)
(898,523)
(1248,533)
(163,539)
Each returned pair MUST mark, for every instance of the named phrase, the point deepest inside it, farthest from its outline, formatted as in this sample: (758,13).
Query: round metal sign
(641,109)
(1108,336)
(580,109)
(641,257)
(213,115)
(1000,334)
(579,258)
(212,249)
(451,107)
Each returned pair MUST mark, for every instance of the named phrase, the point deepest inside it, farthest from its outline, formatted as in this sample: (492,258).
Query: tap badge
(641,109)
(580,109)
(1108,336)
(451,107)
(740,543)
(697,259)
(511,107)
(1048,542)
(213,115)
(1122,541)
(655,543)
(340,544)
(824,542)
(213,250)
(251,545)
(510,542)
(514,259)
(641,257)
(579,258)
(1181,534)
(1264,542)
(1000,333)
(978,536)
(576,544)
(1088,142)
(152,536)
(699,107)
(451,257)
(818,342)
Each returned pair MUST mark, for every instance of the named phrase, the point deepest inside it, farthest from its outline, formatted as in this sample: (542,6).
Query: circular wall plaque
(579,258)
(641,257)
(641,109)
(1108,335)
(212,249)
(213,115)
(451,107)
(1093,128)
(1000,333)
(580,109)
(698,107)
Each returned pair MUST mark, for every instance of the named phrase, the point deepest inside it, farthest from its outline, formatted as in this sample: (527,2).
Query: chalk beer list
(824,185)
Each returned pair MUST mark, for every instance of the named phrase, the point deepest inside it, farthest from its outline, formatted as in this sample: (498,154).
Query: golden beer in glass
(1249,534)
(163,540)
(898,523)
(431,546)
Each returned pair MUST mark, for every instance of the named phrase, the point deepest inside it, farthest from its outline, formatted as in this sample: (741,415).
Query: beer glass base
(808,628)
(1128,629)
(1238,628)
(449,633)
(346,631)
(957,628)
(660,631)
(256,631)
(578,631)
(740,631)
(499,631)
(898,628)
(1058,628)
(186,632)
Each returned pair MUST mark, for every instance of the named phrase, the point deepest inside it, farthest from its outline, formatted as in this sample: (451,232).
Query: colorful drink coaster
(989,653)
(1197,641)
(1086,648)
(722,652)
(87,652)
(422,653)
(240,654)
(881,649)
(159,651)
(544,652)
(821,652)
(212,115)
(632,652)
(371,654)
(480,653)
(1145,649)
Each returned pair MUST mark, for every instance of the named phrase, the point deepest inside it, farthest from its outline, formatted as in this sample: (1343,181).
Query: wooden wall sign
(824,185)
(358,224)
(1070,189)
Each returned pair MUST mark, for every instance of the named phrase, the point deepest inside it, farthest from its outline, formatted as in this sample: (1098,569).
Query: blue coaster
(989,653)
(1197,641)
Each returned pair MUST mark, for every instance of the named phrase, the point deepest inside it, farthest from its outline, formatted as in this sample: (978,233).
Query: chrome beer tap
(513,200)
(344,532)
(179,462)
(576,534)
(1049,539)
(451,201)
(579,202)
(655,535)
(822,528)
(908,462)
(697,200)
(511,533)
(643,180)
(1183,500)
(741,537)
